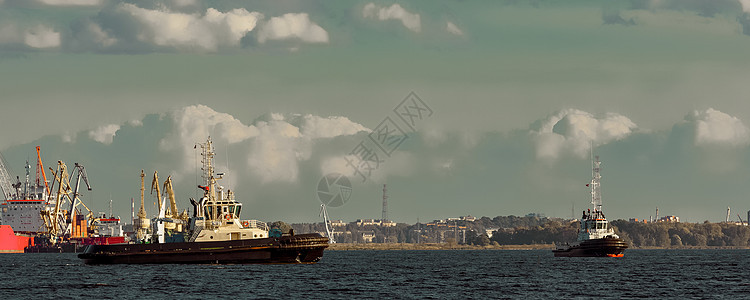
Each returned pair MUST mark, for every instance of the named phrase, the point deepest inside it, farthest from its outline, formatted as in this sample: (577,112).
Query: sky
(513,95)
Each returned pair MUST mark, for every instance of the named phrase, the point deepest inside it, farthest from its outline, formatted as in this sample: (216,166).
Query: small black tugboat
(595,237)
(215,235)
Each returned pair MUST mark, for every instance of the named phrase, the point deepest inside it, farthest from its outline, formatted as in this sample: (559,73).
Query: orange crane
(41,167)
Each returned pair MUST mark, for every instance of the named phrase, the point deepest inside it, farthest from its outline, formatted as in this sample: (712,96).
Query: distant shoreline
(434,246)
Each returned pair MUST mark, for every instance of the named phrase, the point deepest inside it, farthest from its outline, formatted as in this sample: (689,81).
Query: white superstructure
(217,214)
(24,205)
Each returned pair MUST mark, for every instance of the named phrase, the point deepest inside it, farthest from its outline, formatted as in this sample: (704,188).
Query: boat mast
(596,192)
(208,170)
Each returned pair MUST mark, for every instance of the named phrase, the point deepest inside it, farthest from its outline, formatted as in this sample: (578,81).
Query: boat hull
(10,242)
(305,248)
(605,247)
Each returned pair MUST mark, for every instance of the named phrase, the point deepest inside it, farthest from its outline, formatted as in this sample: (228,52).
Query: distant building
(669,219)
(367,236)
(490,231)
(374,222)
(338,223)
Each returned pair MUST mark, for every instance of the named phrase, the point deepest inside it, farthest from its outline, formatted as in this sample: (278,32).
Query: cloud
(394,12)
(195,123)
(745,5)
(275,152)
(69,137)
(292,26)
(315,127)
(104,134)
(712,127)
(274,144)
(285,141)
(452,28)
(129,26)
(71,2)
(39,36)
(135,123)
(571,131)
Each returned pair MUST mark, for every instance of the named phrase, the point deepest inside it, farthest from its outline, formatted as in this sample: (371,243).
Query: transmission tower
(385,205)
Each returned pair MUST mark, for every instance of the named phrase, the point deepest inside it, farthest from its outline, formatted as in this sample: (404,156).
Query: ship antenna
(596,193)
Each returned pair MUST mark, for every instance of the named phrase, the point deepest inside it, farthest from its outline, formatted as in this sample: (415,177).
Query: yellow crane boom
(142,211)
(155,186)
(172,213)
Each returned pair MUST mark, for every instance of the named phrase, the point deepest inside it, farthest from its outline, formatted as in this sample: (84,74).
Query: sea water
(457,274)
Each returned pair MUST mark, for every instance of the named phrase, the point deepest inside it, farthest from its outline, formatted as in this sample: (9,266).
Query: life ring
(245,224)
(228,217)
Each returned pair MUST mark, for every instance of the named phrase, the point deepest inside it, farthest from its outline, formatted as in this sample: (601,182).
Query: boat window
(237,213)
(209,212)
(231,210)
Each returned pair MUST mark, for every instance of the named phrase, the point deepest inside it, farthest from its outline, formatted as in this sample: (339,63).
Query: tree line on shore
(533,229)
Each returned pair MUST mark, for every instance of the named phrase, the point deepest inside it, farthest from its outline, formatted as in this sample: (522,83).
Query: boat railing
(255,224)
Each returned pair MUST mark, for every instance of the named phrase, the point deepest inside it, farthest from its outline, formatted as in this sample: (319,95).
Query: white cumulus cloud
(207,32)
(196,122)
(328,127)
(41,37)
(713,127)
(394,12)
(104,134)
(287,140)
(452,28)
(275,143)
(292,26)
(572,131)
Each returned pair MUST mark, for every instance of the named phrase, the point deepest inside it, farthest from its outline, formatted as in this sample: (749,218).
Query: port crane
(142,222)
(75,201)
(155,186)
(173,212)
(5,179)
(55,219)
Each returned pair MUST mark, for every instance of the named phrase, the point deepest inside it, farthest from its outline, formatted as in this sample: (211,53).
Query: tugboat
(215,235)
(596,238)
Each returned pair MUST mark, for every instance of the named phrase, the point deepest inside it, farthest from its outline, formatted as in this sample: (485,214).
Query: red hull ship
(12,243)
(33,219)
